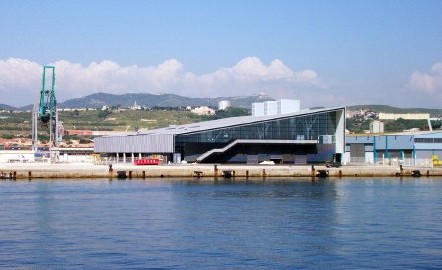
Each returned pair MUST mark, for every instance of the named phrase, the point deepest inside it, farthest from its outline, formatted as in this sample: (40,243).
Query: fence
(362,161)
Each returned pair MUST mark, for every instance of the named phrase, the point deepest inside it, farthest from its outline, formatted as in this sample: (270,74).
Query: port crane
(45,110)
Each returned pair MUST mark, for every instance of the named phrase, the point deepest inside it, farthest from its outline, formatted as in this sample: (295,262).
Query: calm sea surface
(279,224)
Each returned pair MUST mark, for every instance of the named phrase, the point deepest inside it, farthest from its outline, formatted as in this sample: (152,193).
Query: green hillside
(391,109)
(19,124)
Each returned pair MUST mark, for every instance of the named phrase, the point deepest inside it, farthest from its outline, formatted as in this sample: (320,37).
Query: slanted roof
(229,122)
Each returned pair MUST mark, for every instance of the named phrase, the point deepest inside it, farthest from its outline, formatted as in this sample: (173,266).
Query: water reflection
(223,224)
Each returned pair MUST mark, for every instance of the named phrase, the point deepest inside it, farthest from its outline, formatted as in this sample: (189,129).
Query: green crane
(48,104)
(45,111)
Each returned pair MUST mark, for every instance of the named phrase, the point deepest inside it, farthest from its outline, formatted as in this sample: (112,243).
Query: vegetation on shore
(18,124)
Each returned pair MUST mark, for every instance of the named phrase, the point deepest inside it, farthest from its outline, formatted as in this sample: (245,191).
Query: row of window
(320,126)
(428,140)
(309,127)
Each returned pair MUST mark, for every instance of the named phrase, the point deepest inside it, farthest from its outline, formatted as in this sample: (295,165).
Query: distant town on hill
(101,113)
(98,100)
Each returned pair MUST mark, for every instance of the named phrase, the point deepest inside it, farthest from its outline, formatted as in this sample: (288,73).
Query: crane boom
(48,103)
(45,110)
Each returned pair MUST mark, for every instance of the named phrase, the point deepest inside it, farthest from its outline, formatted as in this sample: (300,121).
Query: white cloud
(429,83)
(20,79)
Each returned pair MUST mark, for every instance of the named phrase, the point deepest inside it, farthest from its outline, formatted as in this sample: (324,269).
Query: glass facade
(320,127)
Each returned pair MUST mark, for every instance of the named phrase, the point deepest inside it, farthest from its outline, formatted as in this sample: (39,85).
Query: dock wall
(35,171)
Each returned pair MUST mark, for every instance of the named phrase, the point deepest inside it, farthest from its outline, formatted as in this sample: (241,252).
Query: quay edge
(56,171)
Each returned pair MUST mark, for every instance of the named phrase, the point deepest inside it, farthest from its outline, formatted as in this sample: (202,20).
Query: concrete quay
(87,170)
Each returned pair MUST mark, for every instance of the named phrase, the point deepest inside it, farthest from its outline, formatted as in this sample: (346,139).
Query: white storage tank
(223,104)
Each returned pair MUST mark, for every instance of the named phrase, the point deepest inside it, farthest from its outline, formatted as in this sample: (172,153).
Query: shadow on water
(268,188)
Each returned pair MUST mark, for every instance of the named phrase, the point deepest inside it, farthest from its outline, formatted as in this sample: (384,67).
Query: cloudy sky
(325,53)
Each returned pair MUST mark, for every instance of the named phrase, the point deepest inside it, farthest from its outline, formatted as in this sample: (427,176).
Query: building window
(428,140)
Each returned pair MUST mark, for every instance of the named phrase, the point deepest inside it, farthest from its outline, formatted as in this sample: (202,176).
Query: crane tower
(45,112)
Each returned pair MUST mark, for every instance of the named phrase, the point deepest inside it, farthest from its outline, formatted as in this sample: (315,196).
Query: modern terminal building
(296,137)
(407,148)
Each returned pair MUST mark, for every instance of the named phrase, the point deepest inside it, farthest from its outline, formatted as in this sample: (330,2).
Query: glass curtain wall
(305,127)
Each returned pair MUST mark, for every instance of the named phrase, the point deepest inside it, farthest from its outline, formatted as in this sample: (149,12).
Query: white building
(377,127)
(275,107)
(270,107)
(203,110)
(223,104)
(406,116)
(288,106)
(258,109)
(135,106)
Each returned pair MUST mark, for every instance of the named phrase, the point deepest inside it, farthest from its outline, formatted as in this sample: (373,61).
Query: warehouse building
(401,148)
(299,137)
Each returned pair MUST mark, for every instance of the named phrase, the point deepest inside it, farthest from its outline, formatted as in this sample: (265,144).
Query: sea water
(256,224)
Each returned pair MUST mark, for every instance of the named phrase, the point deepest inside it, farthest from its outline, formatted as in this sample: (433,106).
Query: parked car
(336,161)
(333,164)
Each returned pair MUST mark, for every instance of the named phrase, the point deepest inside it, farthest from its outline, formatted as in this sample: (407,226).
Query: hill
(98,100)
(7,107)
(391,109)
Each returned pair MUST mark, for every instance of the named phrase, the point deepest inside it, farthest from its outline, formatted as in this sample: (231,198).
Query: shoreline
(123,171)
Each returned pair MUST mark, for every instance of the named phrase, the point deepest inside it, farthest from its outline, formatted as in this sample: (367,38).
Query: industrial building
(406,116)
(299,137)
(400,148)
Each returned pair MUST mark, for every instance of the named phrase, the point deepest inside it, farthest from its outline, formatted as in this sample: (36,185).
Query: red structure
(147,161)
(78,132)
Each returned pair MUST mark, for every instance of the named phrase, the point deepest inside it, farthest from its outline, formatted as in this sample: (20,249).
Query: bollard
(322,174)
(111,175)
(247,174)
(228,174)
(416,173)
(29,175)
(198,174)
(121,175)
(130,174)
(144,175)
(216,170)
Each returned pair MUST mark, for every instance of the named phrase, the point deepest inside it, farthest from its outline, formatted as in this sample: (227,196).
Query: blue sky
(326,53)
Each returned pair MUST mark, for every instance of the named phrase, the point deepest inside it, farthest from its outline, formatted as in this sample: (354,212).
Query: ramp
(251,141)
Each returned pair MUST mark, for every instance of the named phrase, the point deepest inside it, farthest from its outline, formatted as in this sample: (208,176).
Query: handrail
(251,141)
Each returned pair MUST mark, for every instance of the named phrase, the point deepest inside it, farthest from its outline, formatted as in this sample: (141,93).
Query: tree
(103,114)
(231,112)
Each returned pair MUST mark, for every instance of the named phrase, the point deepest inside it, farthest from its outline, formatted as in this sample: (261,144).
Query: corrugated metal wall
(135,144)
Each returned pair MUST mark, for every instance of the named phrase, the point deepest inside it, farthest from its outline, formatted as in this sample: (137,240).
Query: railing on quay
(407,162)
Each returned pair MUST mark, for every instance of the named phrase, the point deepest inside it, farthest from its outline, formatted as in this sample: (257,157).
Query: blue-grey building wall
(419,146)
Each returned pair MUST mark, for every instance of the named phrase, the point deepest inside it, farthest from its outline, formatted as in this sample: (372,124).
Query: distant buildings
(377,127)
(362,115)
(203,110)
(406,116)
(275,107)
(223,104)
(135,106)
